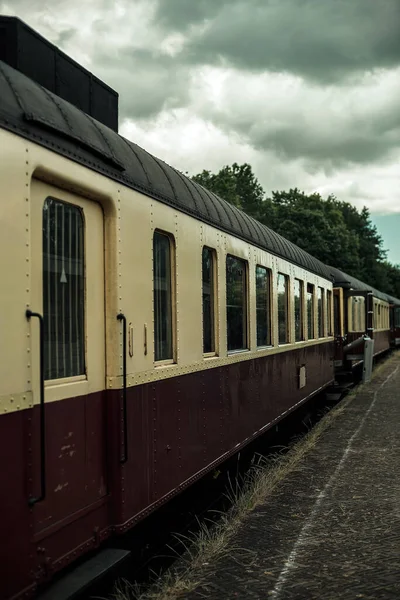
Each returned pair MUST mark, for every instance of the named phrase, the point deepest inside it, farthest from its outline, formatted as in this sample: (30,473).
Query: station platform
(331,528)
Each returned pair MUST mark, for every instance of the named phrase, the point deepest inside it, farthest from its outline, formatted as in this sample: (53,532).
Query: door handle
(124,458)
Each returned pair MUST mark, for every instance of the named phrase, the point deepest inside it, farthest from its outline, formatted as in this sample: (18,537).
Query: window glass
(236,303)
(354,325)
(263,306)
(310,311)
(63,290)
(320,312)
(298,309)
(208,267)
(163,347)
(283,299)
(362,314)
(397,317)
(329,303)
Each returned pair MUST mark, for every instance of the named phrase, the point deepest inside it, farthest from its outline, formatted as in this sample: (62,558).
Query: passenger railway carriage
(361,310)
(148,329)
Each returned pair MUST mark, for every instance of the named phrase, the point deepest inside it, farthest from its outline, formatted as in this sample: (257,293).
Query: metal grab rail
(121,317)
(32,501)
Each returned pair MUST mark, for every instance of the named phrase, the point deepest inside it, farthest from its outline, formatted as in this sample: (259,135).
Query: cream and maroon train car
(148,331)
(359,310)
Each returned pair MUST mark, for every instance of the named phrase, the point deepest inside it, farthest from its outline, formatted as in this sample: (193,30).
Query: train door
(338,325)
(67,482)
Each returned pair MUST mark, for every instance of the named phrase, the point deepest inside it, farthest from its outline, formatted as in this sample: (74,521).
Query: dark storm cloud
(324,40)
(341,143)
(346,147)
(147,81)
(181,14)
(324,126)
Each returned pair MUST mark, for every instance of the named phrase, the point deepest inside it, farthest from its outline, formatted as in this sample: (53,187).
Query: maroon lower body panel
(395,336)
(381,341)
(177,429)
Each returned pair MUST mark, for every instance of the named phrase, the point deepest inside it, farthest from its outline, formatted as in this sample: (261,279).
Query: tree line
(333,231)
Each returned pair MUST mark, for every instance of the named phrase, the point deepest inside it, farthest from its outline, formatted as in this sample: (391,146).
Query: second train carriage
(394,320)
(360,310)
(149,330)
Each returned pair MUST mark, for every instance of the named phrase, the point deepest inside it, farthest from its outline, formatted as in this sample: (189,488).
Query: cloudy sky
(306,91)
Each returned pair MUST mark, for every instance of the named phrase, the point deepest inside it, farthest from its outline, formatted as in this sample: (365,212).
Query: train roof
(342,279)
(393,300)
(39,115)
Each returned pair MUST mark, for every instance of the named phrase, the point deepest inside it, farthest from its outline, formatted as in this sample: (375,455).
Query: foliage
(331,230)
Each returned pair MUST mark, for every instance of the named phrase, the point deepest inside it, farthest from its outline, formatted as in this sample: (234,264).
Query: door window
(63,290)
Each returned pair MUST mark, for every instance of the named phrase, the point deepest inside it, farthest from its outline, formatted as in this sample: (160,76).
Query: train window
(63,290)
(298,309)
(283,308)
(354,325)
(310,311)
(329,305)
(236,303)
(397,317)
(163,292)
(263,299)
(208,272)
(320,312)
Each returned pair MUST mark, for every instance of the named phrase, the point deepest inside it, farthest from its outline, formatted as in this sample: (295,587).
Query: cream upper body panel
(130,220)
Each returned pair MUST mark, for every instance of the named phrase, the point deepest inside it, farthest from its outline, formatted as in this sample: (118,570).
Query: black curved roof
(393,300)
(341,279)
(33,112)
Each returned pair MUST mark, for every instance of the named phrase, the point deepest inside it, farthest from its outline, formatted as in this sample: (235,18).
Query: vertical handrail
(121,317)
(32,501)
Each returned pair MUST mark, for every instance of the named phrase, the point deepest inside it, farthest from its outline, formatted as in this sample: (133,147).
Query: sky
(305,91)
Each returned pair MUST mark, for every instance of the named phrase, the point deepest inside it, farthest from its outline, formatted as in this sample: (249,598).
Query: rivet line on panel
(119,271)
(28,244)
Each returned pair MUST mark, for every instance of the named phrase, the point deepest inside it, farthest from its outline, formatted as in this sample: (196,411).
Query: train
(149,329)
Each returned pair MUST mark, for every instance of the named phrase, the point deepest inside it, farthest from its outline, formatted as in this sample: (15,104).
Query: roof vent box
(25,50)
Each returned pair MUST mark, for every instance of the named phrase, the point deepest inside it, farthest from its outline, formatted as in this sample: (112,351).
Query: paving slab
(331,529)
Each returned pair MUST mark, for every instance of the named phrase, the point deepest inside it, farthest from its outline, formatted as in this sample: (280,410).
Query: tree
(314,224)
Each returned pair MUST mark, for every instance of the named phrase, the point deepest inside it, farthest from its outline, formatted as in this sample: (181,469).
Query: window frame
(313,311)
(329,311)
(321,319)
(214,301)
(269,306)
(172,250)
(246,309)
(301,282)
(287,288)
